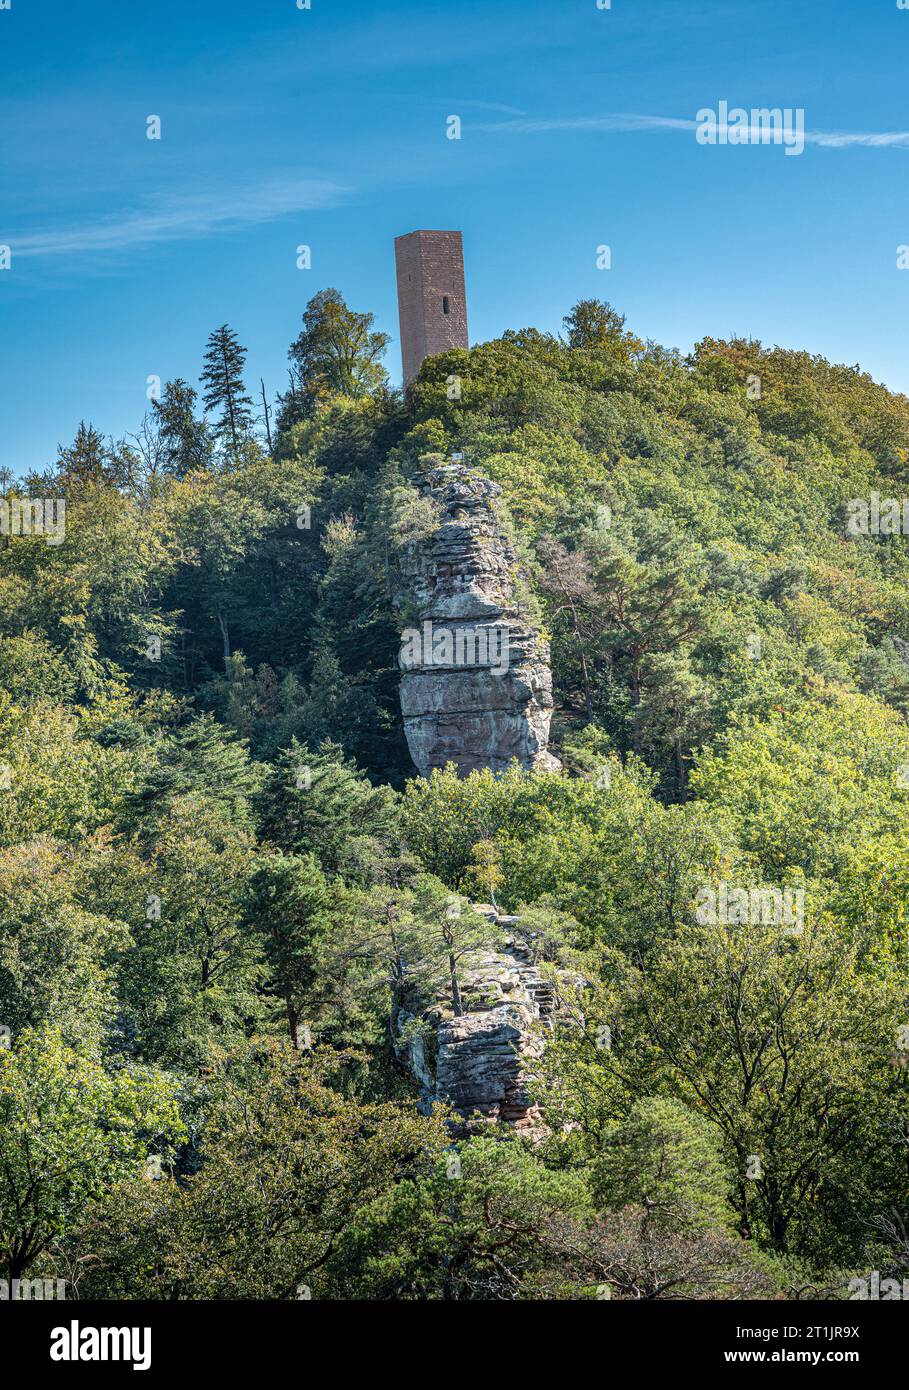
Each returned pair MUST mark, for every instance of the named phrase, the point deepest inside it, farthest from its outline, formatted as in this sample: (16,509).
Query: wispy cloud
(843,139)
(622,122)
(170,217)
(456,105)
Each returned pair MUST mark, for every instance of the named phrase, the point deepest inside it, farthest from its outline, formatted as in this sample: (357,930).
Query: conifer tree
(222,378)
(318,802)
(185,441)
(92,461)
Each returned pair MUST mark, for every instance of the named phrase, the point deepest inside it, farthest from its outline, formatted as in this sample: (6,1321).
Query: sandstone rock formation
(476,688)
(478,1060)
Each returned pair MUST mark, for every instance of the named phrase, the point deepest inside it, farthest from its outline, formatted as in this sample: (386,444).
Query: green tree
(319,802)
(649,596)
(185,439)
(221,521)
(200,759)
(69,1131)
(56,957)
(674,712)
(290,1164)
(470,1229)
(91,462)
(782,1041)
(403,947)
(192,977)
(222,378)
(593,325)
(667,1159)
(337,353)
(293,905)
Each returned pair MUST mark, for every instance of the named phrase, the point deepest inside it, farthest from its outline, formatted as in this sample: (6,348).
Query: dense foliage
(215,861)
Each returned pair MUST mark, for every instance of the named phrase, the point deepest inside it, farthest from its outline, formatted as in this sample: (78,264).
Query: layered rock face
(476,688)
(478,1060)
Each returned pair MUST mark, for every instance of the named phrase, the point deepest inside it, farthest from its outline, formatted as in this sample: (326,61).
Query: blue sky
(327,127)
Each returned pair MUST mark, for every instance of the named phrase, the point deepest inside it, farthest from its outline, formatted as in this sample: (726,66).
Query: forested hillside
(216,861)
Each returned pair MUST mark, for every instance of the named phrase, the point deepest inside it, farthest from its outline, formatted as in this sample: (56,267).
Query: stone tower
(432,300)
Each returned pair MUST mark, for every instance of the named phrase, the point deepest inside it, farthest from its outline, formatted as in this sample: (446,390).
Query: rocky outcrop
(478,1061)
(476,688)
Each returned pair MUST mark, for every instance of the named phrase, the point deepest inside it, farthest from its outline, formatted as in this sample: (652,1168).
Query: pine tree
(316,801)
(91,461)
(222,378)
(203,760)
(290,905)
(184,439)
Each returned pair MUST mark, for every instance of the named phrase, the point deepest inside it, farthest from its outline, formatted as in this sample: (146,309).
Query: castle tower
(432,299)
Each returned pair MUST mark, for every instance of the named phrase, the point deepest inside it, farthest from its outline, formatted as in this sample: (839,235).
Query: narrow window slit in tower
(445,308)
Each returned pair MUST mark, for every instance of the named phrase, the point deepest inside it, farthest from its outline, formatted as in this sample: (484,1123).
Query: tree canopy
(219,876)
